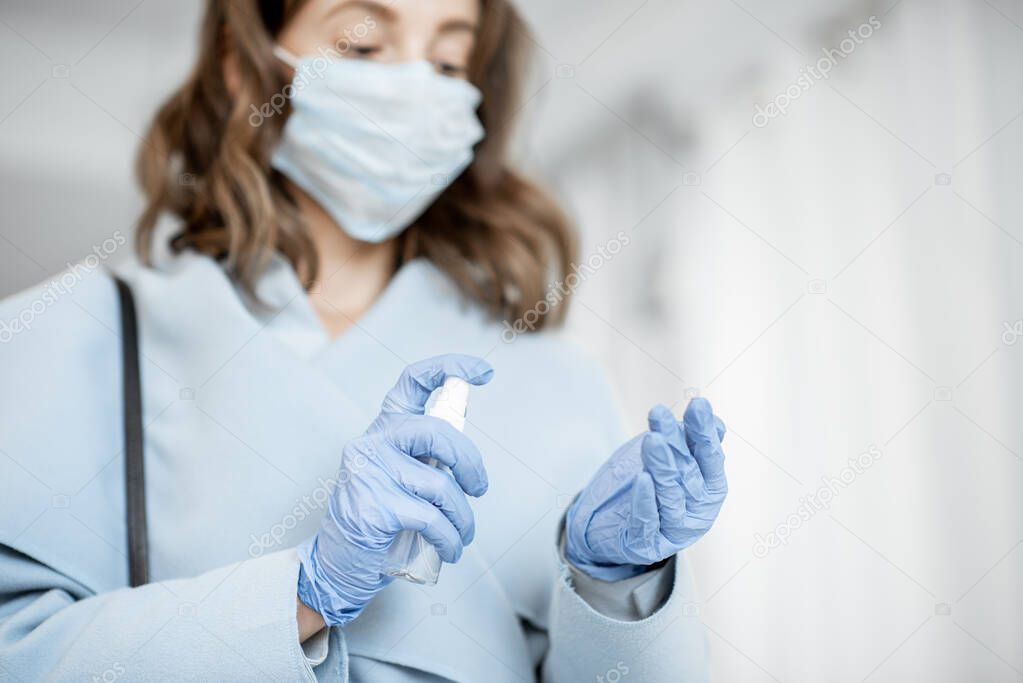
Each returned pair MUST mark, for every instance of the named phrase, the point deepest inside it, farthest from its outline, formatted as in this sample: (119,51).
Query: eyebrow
(456,25)
(368,5)
(385,11)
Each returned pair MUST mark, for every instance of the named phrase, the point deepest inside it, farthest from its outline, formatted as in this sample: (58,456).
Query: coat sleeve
(646,629)
(587,644)
(233,623)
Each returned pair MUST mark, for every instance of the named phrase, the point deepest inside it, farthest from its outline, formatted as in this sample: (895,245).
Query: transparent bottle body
(410,556)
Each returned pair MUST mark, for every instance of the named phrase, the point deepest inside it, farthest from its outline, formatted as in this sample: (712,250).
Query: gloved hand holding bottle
(660,492)
(383,488)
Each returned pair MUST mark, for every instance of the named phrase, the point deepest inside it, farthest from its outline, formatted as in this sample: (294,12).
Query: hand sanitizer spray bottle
(410,556)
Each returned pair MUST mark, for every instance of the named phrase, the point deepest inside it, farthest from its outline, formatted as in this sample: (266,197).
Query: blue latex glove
(381,489)
(657,494)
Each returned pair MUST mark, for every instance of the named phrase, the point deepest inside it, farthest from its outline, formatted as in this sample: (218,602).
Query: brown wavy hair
(496,235)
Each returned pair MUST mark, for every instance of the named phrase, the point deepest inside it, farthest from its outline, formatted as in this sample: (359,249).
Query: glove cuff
(607,572)
(573,544)
(319,593)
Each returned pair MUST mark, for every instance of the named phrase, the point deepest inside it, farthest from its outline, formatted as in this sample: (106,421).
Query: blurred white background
(848,276)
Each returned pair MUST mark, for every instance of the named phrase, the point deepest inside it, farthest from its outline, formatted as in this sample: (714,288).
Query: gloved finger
(663,422)
(721,429)
(418,380)
(422,436)
(437,488)
(702,434)
(659,463)
(418,515)
(644,520)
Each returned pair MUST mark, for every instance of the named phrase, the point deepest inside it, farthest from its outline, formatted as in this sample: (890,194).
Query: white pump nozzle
(450,401)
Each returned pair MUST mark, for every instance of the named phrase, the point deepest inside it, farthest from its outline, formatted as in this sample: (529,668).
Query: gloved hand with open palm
(658,493)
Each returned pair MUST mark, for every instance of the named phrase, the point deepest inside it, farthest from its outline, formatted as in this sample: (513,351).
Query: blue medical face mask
(374,144)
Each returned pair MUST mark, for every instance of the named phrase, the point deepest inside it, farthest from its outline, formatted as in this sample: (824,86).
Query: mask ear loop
(286,57)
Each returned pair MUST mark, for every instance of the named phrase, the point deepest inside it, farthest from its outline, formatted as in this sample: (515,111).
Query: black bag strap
(134,450)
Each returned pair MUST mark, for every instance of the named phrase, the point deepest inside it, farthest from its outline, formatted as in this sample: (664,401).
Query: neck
(350,274)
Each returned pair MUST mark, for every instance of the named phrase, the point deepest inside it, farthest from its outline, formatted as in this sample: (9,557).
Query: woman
(343,210)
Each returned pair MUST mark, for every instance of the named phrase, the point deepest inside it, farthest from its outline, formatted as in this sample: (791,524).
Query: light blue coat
(246,410)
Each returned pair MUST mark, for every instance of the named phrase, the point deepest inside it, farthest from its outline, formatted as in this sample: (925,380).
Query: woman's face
(442,32)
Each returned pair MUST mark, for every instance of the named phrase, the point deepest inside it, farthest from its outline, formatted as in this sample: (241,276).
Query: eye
(361,51)
(449,69)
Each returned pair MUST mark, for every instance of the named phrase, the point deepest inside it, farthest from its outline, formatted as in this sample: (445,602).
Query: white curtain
(838,284)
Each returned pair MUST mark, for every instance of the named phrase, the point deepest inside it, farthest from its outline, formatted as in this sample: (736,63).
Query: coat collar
(417,290)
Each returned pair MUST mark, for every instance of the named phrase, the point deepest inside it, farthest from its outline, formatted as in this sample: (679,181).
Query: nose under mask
(375,144)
